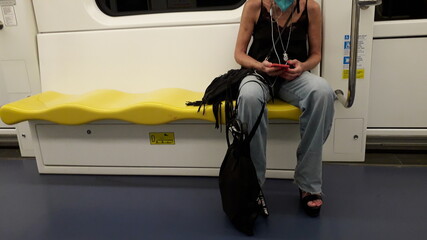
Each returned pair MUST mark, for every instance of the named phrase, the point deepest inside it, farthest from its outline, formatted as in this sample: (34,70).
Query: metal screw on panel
(89,132)
(24,135)
(355,137)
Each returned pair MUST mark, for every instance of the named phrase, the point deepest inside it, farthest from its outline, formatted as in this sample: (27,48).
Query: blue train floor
(361,202)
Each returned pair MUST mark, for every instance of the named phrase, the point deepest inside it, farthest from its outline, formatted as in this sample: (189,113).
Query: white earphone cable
(272,35)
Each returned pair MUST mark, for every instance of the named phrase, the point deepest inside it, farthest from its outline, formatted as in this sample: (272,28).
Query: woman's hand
(271,71)
(295,70)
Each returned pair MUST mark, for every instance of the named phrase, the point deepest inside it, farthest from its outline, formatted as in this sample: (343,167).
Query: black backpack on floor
(241,194)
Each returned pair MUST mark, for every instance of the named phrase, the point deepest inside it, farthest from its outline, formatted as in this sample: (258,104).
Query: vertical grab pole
(354,39)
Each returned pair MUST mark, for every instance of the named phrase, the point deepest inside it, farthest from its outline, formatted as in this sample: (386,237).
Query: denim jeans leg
(313,95)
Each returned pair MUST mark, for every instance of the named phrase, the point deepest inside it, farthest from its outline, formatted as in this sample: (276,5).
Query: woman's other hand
(295,70)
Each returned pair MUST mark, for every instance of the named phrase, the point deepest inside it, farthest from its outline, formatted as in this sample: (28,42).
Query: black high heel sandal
(311,211)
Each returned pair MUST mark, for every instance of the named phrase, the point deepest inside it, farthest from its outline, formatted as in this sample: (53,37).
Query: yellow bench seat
(157,107)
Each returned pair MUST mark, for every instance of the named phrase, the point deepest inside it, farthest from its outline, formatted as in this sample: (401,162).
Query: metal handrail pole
(354,42)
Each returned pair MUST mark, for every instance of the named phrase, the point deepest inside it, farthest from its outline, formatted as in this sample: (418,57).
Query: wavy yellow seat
(157,107)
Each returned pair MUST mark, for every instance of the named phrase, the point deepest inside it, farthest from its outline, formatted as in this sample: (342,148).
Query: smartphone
(280,65)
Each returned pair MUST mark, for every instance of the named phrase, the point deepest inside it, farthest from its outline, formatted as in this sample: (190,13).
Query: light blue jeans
(313,95)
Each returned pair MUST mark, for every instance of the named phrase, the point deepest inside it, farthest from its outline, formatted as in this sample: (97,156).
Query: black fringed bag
(222,88)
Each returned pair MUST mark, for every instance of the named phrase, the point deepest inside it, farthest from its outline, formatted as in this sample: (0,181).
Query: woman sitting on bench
(280,31)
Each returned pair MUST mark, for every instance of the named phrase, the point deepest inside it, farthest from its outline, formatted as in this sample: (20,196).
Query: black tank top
(262,39)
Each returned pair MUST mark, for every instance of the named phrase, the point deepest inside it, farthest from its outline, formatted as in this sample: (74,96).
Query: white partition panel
(398,84)
(19,69)
(348,135)
(136,60)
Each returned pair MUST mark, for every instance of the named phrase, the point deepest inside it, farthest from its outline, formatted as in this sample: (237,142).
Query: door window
(401,10)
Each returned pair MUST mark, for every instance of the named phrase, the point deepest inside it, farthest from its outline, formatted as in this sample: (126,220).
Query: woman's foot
(315,203)
(311,203)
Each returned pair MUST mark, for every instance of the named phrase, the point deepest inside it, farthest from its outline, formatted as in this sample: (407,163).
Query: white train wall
(73,47)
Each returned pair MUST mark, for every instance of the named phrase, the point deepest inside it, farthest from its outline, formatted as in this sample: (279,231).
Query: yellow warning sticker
(162,138)
(360,73)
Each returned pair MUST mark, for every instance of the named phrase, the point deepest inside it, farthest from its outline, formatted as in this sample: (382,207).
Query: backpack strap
(231,113)
(258,121)
(255,127)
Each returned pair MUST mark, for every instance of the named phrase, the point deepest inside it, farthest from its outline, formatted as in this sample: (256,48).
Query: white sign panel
(361,55)
(9,15)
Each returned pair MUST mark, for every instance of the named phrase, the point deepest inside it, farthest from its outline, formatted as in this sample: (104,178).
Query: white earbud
(271,11)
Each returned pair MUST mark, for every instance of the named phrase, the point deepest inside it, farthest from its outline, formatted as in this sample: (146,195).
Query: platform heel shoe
(311,211)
